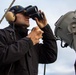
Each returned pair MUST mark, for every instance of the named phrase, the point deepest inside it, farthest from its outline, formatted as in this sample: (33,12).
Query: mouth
(27,21)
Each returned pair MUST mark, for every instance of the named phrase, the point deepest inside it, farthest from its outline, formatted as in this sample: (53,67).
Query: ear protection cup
(10,17)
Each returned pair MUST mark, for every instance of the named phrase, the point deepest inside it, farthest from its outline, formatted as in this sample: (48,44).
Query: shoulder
(6,32)
(2,32)
(9,28)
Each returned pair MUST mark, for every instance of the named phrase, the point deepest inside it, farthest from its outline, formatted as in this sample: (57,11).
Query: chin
(23,24)
(26,25)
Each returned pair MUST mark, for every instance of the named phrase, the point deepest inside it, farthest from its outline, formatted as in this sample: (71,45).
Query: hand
(43,22)
(35,35)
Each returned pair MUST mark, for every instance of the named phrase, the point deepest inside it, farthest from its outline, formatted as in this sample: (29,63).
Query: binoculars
(32,12)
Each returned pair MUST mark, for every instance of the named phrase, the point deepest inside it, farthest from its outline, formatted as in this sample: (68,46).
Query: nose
(27,16)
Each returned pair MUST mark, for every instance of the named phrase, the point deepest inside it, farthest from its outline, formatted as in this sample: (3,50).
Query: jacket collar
(17,29)
(10,28)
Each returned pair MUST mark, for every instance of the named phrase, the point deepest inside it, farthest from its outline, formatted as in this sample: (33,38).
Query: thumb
(37,21)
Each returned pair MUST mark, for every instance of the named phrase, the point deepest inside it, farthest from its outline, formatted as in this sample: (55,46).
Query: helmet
(65,29)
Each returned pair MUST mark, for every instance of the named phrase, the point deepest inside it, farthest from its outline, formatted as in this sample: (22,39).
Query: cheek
(19,19)
(22,20)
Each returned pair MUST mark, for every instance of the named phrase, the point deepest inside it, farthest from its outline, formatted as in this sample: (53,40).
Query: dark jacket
(18,55)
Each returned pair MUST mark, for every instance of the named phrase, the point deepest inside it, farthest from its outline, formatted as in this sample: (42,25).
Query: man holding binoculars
(20,52)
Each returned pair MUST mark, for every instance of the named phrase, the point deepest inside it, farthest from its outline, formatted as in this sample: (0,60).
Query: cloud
(57,69)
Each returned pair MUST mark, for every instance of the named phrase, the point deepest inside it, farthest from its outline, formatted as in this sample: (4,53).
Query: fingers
(35,35)
(37,21)
(38,31)
(42,14)
(42,22)
(38,37)
(36,41)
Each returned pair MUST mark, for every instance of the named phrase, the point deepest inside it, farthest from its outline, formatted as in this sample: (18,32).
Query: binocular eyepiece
(32,12)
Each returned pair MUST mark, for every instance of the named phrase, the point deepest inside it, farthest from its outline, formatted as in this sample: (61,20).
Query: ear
(10,16)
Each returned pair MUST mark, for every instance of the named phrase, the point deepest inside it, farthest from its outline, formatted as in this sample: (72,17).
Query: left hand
(35,35)
(43,22)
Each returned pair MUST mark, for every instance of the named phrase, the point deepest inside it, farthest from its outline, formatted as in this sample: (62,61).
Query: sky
(53,9)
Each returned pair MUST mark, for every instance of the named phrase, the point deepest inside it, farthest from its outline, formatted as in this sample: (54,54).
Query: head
(20,18)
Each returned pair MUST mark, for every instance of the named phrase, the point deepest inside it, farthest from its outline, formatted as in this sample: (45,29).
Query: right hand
(35,35)
(43,22)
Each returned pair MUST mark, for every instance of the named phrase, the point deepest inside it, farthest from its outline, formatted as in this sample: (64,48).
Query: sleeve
(47,50)
(13,52)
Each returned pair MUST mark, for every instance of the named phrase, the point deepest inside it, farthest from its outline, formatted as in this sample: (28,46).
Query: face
(22,20)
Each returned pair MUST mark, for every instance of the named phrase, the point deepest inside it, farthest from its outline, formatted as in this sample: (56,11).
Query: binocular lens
(37,15)
(31,10)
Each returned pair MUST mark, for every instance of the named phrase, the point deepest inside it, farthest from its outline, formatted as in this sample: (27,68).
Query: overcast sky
(53,9)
